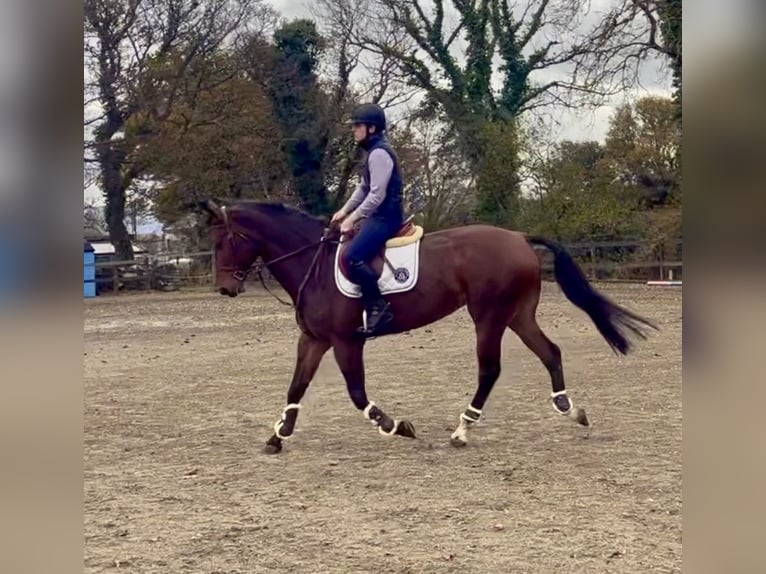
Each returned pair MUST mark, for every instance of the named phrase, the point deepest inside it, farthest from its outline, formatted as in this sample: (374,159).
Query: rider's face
(360,131)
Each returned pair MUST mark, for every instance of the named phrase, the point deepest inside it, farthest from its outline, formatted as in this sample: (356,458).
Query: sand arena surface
(183,389)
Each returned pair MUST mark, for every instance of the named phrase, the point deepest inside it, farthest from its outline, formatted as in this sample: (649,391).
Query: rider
(377,201)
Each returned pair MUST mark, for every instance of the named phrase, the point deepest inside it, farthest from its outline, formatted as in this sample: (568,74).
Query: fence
(600,260)
(624,260)
(162,272)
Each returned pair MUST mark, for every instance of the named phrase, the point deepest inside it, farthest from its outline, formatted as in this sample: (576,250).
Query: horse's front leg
(349,355)
(310,353)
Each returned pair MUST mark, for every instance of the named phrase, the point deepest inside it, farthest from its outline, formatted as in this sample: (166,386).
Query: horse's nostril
(223,291)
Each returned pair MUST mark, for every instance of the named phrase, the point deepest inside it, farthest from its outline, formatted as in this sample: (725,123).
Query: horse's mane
(278,208)
(296,218)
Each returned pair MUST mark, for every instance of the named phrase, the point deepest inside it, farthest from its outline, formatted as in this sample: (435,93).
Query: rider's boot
(378,313)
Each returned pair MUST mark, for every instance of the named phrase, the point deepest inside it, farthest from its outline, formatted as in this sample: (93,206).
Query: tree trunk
(114,192)
(118,233)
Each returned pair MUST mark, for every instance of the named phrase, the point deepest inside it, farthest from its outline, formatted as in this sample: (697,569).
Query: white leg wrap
(464,417)
(393,430)
(461,432)
(280,423)
(571,410)
(277,427)
(290,407)
(367,410)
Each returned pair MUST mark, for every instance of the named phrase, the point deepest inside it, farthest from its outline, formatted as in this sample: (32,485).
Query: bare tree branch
(139,53)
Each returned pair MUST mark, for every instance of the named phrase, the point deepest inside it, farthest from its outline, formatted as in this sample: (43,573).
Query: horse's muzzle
(229,292)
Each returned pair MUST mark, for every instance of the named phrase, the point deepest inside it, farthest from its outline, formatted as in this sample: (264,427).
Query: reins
(241,275)
(259,265)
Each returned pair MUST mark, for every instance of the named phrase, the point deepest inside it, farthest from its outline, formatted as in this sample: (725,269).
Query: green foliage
(218,141)
(642,144)
(671,27)
(255,120)
(627,187)
(578,200)
(670,13)
(497,187)
(300,43)
(297,100)
(505,47)
(139,55)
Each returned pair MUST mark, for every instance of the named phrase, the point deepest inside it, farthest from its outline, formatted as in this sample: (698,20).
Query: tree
(355,72)
(670,20)
(497,183)
(93,217)
(472,90)
(348,74)
(438,184)
(124,39)
(627,186)
(483,65)
(287,71)
(642,144)
(634,31)
(221,141)
(577,198)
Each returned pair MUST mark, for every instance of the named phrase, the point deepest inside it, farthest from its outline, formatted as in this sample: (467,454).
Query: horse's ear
(211,207)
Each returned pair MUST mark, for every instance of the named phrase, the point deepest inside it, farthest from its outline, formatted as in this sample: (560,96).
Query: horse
(494,272)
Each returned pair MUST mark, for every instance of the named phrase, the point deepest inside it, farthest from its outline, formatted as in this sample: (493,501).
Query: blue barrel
(89,262)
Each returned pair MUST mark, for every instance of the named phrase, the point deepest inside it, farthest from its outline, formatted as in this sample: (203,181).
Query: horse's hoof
(273,445)
(580,417)
(457,442)
(406,429)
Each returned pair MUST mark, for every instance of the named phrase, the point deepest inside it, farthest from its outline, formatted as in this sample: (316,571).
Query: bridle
(257,267)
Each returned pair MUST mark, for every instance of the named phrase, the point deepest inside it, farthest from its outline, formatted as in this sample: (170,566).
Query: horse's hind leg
(525,326)
(489,336)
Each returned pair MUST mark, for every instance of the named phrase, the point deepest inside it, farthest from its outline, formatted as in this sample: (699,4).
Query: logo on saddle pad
(401,274)
(397,268)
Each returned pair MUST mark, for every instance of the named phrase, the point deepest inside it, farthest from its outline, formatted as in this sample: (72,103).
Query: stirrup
(384,318)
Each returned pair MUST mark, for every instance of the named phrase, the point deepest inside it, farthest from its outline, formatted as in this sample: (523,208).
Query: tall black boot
(378,314)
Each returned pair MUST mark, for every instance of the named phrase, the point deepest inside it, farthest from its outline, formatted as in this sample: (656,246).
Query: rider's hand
(340,215)
(347,225)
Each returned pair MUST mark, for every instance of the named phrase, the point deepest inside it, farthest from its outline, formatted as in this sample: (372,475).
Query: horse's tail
(612,321)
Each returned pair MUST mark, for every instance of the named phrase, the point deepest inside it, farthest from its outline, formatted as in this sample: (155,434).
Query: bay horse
(494,272)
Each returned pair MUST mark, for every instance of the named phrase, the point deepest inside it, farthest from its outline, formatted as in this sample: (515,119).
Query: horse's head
(236,249)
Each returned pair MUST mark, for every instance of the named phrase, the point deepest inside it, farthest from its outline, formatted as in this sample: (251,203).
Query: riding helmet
(370,114)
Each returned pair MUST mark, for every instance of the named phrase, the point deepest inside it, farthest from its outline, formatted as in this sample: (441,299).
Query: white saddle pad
(403,277)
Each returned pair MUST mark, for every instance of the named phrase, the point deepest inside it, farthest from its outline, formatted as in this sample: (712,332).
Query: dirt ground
(182,390)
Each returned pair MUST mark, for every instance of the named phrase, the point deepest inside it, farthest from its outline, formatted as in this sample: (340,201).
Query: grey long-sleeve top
(363,202)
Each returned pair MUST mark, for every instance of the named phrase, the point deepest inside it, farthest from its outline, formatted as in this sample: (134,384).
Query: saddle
(408,233)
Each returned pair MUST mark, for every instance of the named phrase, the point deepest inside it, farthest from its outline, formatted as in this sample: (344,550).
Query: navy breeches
(364,246)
